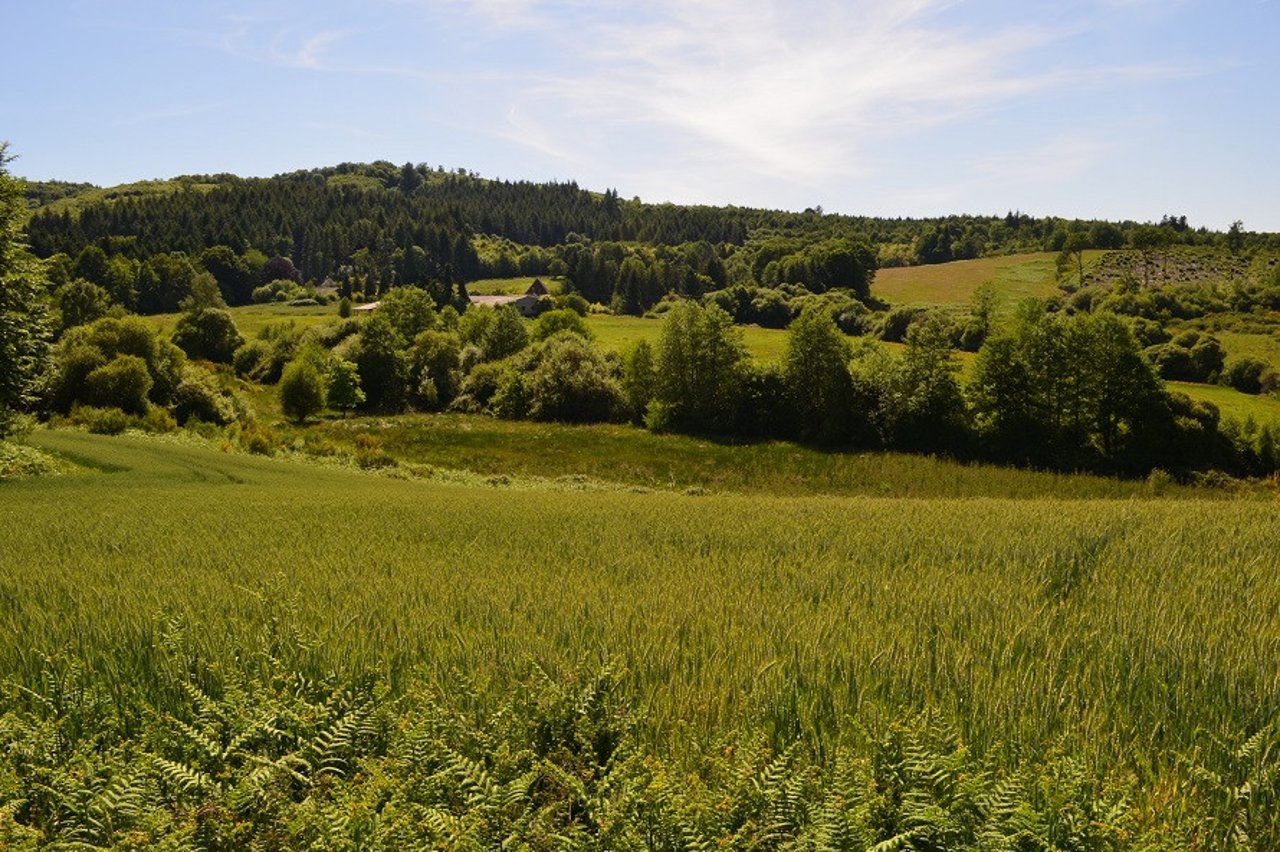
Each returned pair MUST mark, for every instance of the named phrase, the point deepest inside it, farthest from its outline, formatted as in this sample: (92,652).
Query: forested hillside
(369,227)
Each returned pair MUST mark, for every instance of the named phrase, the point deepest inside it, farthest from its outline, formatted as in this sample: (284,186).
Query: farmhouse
(526,303)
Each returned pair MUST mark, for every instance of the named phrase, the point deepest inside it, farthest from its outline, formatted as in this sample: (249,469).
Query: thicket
(123,364)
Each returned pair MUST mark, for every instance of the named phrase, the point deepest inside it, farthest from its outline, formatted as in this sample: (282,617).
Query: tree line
(322,218)
(1053,391)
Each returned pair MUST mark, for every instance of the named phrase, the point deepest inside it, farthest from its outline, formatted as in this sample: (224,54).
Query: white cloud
(785,90)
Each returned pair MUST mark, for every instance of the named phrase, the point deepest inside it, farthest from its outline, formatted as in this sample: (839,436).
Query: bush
(480,386)
(85,349)
(1171,361)
(894,325)
(259,440)
(113,421)
(1245,375)
(511,400)
(280,290)
(249,359)
(369,453)
(572,302)
(330,334)
(198,396)
(560,320)
(208,334)
(18,461)
(507,336)
(572,382)
(123,383)
(101,421)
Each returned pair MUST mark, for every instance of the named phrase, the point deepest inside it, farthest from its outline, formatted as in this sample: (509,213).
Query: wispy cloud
(790,90)
(309,55)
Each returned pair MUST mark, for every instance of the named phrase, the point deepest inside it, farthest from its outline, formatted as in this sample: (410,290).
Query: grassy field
(1264,347)
(1137,638)
(1015,277)
(616,333)
(138,189)
(251,319)
(1231,402)
(510,286)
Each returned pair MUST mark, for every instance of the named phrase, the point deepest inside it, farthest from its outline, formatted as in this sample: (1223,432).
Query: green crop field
(1015,277)
(1129,645)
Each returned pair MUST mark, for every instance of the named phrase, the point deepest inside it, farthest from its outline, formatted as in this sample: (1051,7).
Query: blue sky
(1120,109)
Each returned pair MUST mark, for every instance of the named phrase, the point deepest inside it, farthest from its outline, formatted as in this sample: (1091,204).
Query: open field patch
(1014,278)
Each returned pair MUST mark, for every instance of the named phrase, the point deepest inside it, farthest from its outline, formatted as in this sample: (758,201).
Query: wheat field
(1127,633)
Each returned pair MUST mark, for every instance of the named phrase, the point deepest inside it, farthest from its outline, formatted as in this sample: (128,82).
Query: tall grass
(632,456)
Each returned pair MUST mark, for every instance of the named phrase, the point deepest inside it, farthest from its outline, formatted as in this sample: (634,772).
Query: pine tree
(25,328)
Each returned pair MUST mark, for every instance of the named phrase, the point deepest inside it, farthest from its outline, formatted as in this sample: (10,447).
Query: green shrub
(280,290)
(19,462)
(123,383)
(573,302)
(200,397)
(250,358)
(101,421)
(208,334)
(87,348)
(480,386)
(1245,375)
(557,321)
(257,439)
